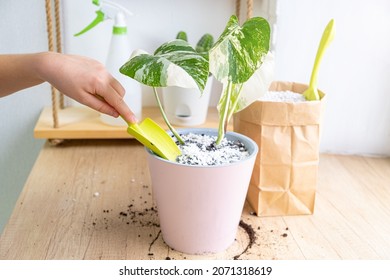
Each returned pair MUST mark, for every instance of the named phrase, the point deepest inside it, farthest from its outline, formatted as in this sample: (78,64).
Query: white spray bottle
(119,52)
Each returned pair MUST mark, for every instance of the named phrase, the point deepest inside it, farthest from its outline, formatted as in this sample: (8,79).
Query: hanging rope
(238,9)
(58,40)
(51,48)
(249,9)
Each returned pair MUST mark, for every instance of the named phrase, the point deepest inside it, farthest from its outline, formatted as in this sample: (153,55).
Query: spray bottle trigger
(99,18)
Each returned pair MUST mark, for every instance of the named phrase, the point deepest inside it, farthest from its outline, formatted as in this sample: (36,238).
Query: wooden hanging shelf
(85,123)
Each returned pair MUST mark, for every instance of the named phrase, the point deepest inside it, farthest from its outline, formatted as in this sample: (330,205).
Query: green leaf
(182,35)
(239,51)
(174,63)
(204,45)
(253,89)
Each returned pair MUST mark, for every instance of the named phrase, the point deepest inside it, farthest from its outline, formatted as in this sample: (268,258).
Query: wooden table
(91,199)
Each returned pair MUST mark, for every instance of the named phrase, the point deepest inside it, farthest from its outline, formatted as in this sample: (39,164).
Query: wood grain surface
(92,199)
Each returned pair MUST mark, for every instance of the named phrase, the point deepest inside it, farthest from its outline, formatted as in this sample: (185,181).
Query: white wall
(355,69)
(22,29)
(353,74)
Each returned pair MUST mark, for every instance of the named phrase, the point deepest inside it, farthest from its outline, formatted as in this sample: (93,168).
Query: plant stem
(233,107)
(171,128)
(223,115)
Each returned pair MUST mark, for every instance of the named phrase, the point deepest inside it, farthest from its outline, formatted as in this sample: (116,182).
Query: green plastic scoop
(312,93)
(151,135)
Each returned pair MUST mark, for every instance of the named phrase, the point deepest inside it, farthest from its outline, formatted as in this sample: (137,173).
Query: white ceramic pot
(187,107)
(200,207)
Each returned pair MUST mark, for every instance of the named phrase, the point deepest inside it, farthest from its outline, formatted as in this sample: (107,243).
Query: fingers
(115,99)
(99,104)
(113,95)
(116,85)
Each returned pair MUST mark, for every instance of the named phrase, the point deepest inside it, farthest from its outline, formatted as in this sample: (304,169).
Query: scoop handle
(327,38)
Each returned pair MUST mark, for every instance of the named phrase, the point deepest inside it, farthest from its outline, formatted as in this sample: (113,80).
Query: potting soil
(201,149)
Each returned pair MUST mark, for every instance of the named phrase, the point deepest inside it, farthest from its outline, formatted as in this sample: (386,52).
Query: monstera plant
(234,59)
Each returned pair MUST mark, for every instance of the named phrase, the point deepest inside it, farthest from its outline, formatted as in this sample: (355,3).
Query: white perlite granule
(200,149)
(283,96)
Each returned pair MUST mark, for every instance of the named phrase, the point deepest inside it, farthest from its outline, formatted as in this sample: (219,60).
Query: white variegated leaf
(174,63)
(253,89)
(239,50)
(258,84)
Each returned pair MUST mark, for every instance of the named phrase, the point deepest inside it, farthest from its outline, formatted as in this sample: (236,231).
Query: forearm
(81,78)
(20,71)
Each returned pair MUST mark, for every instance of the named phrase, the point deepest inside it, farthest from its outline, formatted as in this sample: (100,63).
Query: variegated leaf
(239,50)
(174,63)
(254,88)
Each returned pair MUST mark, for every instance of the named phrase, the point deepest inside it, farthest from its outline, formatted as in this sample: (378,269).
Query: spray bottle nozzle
(99,18)
(107,10)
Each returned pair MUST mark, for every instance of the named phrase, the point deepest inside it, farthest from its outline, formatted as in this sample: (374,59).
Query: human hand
(86,81)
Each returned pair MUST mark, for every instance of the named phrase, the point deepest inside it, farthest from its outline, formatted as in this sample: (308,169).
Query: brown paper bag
(284,178)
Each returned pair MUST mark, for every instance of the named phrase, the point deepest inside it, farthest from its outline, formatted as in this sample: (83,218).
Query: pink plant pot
(200,207)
